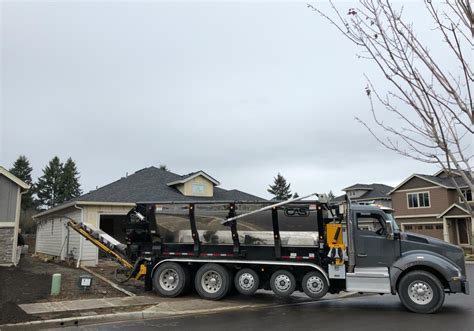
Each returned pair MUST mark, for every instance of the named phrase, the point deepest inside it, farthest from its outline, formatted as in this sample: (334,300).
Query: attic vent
(417,239)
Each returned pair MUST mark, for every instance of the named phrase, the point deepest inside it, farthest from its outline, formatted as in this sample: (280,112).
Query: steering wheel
(379,231)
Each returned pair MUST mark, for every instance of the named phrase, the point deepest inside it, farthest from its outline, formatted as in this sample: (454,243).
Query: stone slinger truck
(293,245)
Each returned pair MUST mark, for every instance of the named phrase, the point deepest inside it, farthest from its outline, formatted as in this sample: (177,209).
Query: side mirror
(390,234)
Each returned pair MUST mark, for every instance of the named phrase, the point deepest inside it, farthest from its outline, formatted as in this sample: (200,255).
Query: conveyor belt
(103,241)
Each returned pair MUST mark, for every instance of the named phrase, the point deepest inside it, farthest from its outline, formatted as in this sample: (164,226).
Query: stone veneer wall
(6,245)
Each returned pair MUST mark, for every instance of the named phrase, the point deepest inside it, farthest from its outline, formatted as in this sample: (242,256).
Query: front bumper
(465,287)
(457,285)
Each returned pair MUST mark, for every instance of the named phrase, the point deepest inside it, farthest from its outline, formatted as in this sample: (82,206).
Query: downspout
(81,239)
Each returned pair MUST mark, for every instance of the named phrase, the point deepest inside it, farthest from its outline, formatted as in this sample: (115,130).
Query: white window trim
(460,198)
(417,193)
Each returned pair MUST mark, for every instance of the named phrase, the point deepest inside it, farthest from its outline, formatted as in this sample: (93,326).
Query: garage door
(433,230)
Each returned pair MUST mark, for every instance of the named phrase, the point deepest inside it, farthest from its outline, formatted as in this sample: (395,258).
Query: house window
(408,227)
(439,227)
(428,227)
(418,200)
(467,194)
(198,188)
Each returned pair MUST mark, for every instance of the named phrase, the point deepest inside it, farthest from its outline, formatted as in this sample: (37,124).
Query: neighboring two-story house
(367,194)
(430,205)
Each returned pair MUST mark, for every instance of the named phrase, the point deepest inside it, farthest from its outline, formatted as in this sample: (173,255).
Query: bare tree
(431,104)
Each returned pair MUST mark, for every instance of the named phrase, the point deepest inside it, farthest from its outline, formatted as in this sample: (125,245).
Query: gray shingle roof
(377,191)
(445,181)
(373,191)
(150,185)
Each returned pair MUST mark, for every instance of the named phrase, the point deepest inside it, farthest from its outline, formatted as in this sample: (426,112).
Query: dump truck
(294,245)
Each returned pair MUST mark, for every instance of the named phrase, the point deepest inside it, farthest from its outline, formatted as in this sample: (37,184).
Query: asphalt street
(373,312)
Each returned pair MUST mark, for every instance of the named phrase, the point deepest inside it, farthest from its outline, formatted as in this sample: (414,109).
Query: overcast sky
(240,90)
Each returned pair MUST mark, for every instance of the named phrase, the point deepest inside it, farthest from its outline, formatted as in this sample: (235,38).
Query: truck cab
(382,259)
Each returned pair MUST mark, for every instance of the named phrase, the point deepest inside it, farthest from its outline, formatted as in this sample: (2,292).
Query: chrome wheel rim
(211,281)
(420,292)
(314,284)
(282,283)
(169,279)
(246,281)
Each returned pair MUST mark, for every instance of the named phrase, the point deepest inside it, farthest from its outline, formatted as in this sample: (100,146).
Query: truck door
(372,247)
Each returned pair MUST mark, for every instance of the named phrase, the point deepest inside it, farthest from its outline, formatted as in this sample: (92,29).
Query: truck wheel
(315,285)
(283,283)
(246,281)
(170,279)
(212,281)
(421,292)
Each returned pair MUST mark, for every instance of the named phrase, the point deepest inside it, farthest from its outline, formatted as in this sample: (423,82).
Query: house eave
(82,203)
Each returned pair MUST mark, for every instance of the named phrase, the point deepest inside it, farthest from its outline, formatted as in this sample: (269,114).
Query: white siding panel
(50,236)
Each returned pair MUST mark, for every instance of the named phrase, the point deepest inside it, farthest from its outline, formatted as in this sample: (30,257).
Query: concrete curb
(146,314)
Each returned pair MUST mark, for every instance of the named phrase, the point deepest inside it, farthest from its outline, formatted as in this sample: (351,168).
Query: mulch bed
(30,282)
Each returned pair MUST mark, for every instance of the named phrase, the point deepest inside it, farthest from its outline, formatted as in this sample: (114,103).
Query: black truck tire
(212,281)
(421,292)
(246,281)
(315,285)
(283,283)
(170,279)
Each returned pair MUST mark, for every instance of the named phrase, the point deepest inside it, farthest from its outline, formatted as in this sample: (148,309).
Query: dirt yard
(30,282)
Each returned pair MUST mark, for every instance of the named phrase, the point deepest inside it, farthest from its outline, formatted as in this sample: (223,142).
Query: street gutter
(150,313)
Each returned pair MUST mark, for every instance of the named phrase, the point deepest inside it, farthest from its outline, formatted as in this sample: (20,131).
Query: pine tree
(331,195)
(296,195)
(48,188)
(70,187)
(280,189)
(163,167)
(22,169)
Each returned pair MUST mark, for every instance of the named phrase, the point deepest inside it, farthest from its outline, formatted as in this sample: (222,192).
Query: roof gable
(454,210)
(417,180)
(374,190)
(13,178)
(188,177)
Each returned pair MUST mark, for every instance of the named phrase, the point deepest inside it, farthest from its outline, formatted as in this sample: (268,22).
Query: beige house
(106,208)
(430,205)
(11,189)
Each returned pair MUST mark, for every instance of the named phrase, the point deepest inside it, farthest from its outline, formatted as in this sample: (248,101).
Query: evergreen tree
(22,169)
(280,189)
(296,195)
(70,187)
(163,167)
(331,195)
(48,188)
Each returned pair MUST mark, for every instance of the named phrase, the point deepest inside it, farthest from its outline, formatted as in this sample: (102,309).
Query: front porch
(458,226)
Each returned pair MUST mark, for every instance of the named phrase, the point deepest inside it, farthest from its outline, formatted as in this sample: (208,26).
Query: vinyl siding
(8,200)
(50,236)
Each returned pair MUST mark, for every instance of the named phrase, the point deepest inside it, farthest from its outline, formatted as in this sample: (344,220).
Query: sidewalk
(161,307)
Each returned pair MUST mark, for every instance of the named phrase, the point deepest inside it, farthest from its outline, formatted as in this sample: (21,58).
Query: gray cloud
(241,90)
